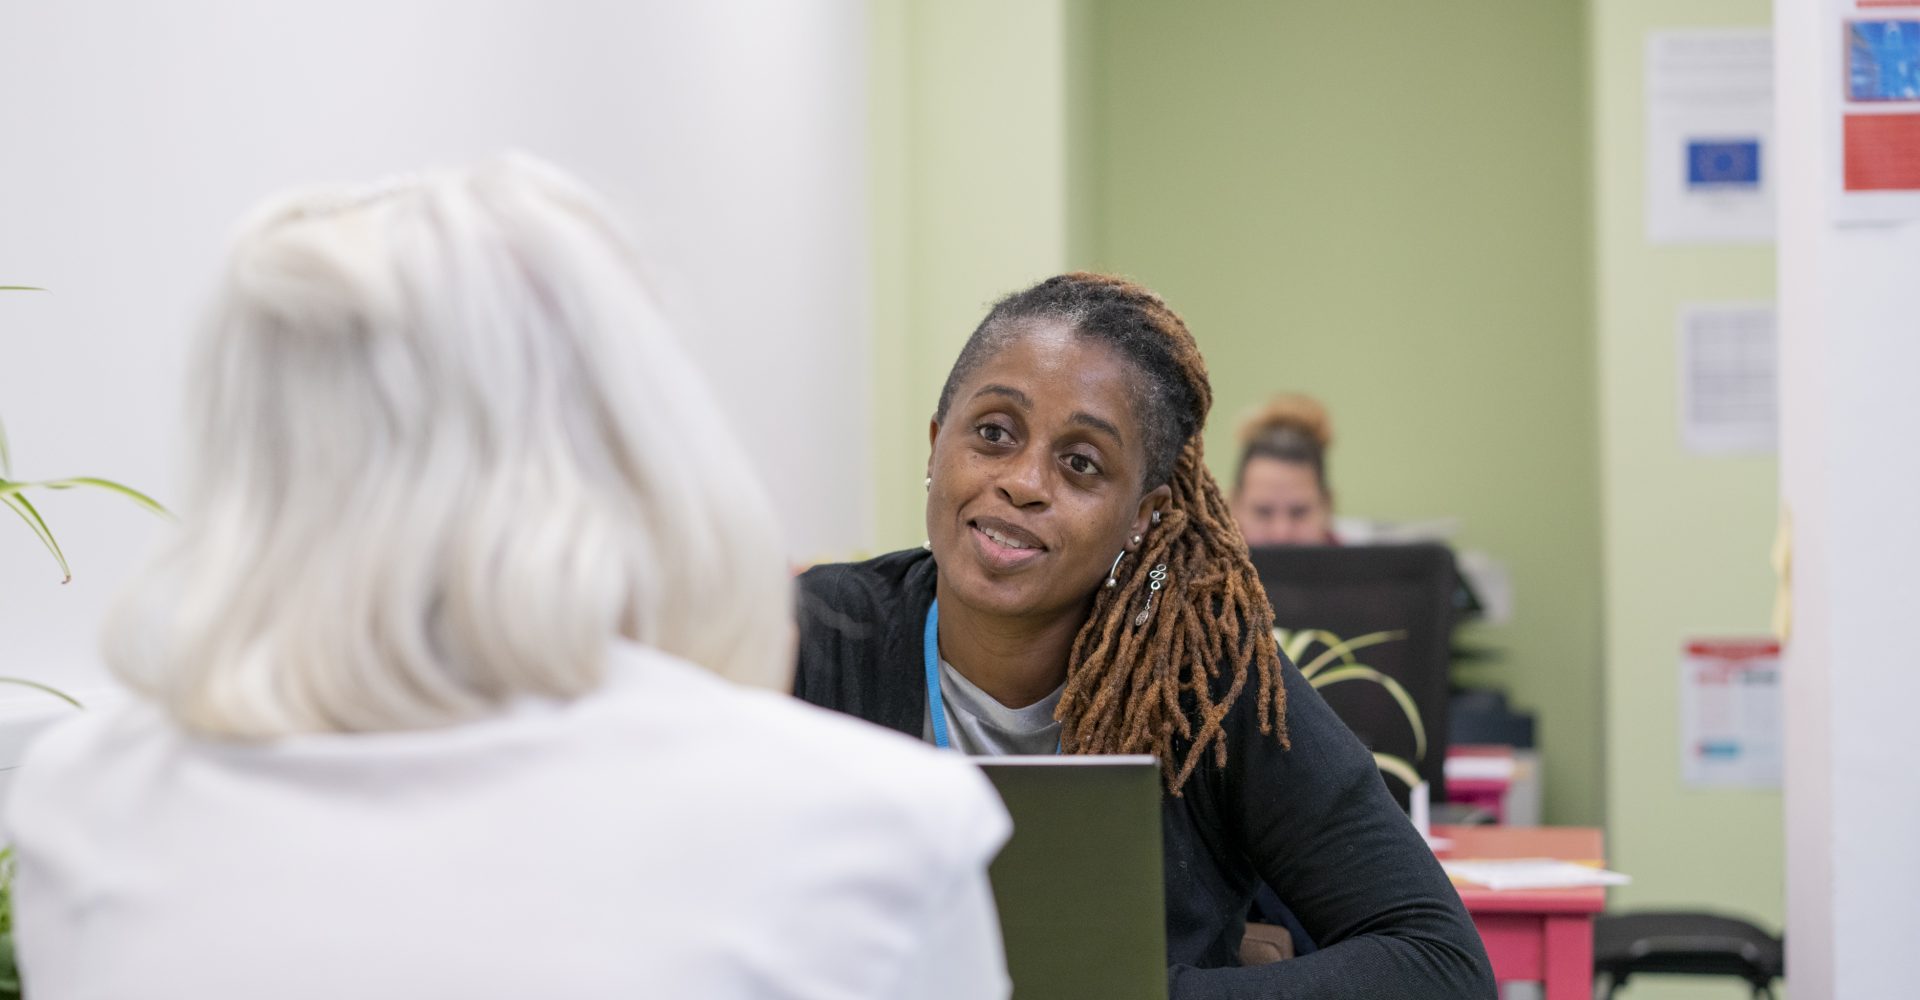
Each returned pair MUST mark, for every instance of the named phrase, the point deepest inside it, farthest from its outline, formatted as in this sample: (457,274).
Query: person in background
(1280,491)
(465,675)
(1084,590)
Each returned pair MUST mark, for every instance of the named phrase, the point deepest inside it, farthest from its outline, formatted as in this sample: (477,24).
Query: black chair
(1685,944)
(1353,591)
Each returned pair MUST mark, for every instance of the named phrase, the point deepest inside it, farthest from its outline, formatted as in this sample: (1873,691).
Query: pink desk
(1538,935)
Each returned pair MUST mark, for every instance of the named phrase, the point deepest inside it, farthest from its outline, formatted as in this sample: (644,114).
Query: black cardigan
(1315,822)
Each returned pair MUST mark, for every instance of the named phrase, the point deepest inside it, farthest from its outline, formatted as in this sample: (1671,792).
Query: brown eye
(1082,464)
(992,433)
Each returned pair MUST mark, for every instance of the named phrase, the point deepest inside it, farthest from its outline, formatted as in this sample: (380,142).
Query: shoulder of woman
(96,755)
(889,779)
(845,606)
(1311,744)
(873,582)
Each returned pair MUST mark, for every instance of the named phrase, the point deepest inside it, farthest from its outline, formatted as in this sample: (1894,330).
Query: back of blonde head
(444,451)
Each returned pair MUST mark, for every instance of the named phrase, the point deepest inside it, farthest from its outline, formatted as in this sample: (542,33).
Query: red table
(1534,935)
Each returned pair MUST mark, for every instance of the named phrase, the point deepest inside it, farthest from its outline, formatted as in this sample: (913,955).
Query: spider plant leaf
(1306,637)
(6,457)
(1294,644)
(1361,672)
(97,483)
(1398,768)
(47,688)
(20,288)
(1343,649)
(24,508)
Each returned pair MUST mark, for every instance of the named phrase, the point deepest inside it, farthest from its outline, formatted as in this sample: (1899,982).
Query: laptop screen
(1080,884)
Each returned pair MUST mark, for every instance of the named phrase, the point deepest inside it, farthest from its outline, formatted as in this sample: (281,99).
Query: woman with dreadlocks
(1091,594)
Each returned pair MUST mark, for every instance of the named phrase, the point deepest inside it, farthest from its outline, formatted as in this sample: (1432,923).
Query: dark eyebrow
(1008,391)
(1026,402)
(1089,420)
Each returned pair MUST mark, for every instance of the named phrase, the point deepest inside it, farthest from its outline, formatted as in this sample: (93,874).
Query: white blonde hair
(445,450)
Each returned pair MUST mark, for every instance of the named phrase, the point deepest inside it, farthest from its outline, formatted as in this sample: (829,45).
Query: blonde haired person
(1280,490)
(443,687)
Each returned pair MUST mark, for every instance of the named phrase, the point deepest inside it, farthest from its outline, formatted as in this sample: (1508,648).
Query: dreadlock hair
(1158,664)
(1289,428)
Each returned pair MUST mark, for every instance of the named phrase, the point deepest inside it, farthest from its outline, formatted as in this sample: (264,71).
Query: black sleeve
(1318,824)
(837,618)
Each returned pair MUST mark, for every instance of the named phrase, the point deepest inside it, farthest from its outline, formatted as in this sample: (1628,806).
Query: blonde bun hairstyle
(1290,428)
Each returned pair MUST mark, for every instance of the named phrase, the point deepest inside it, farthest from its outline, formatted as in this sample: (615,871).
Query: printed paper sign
(1730,734)
(1729,386)
(1875,111)
(1709,136)
(1883,61)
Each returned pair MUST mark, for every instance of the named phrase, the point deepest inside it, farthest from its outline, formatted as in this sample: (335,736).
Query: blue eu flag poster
(1723,164)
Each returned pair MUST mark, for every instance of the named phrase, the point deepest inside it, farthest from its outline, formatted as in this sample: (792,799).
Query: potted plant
(1337,664)
(13,495)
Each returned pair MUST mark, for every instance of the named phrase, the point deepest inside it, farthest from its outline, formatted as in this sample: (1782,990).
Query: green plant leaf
(75,482)
(1398,768)
(20,288)
(1294,644)
(6,457)
(1343,649)
(47,688)
(1361,672)
(22,506)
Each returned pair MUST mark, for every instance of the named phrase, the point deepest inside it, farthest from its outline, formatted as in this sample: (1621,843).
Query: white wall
(732,135)
(1850,340)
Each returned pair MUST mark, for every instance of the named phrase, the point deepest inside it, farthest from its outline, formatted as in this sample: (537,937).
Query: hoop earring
(1113,575)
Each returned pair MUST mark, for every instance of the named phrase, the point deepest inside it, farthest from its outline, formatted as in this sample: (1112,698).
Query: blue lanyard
(936,706)
(936,703)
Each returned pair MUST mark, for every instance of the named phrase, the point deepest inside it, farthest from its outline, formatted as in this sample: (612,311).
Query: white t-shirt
(670,836)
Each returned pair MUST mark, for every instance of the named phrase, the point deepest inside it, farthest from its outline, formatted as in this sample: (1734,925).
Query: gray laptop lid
(1080,884)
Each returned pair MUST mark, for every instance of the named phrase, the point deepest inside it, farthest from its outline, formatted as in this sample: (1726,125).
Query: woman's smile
(1005,547)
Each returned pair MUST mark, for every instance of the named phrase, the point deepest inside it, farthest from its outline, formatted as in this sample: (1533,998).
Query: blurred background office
(1430,216)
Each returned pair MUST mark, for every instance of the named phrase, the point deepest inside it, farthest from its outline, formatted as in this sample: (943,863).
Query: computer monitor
(1080,885)
(1362,590)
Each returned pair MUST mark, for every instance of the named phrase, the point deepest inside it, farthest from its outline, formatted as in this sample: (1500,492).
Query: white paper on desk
(1729,386)
(1709,139)
(1532,873)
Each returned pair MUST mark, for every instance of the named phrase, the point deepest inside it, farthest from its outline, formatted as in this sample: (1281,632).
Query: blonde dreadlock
(1154,685)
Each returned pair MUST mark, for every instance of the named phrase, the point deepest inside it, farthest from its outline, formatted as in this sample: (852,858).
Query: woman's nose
(1024,482)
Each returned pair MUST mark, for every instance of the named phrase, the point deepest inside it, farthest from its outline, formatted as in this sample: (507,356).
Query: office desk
(1537,935)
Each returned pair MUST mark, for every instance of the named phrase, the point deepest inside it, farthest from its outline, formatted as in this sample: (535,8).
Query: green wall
(970,118)
(1432,218)
(1687,537)
(1388,209)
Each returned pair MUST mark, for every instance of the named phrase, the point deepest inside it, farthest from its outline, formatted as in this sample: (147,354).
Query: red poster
(1882,152)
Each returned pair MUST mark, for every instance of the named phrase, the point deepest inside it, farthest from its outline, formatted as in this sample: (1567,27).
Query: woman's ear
(933,434)
(1155,500)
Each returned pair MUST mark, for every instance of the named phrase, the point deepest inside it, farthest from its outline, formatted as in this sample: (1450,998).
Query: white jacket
(670,836)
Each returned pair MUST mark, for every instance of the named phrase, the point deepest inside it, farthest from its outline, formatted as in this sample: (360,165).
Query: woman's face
(1037,471)
(1282,503)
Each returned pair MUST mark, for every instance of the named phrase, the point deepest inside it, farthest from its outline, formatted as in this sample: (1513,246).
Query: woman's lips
(1003,546)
